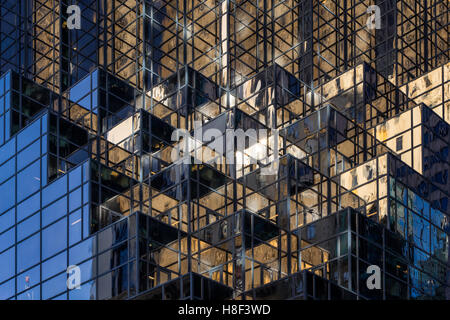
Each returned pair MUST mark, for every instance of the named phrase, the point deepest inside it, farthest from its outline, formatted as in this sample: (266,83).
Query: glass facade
(224,150)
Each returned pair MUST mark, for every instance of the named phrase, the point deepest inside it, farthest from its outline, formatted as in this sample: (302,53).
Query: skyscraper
(224,149)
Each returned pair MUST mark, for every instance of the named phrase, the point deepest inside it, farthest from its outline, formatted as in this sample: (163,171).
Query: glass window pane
(7,169)
(32,132)
(7,194)
(7,289)
(54,286)
(7,150)
(75,227)
(54,266)
(54,190)
(29,279)
(75,200)
(28,227)
(28,207)
(28,155)
(29,181)
(7,239)
(54,211)
(7,261)
(7,220)
(54,238)
(86,292)
(75,178)
(82,251)
(28,252)
(31,294)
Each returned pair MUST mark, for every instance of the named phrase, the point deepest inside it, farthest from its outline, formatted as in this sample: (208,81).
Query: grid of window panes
(342,246)
(421,139)
(5,105)
(303,285)
(436,149)
(99,100)
(22,100)
(43,223)
(426,229)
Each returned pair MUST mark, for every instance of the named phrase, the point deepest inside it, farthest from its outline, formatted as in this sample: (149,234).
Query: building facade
(224,149)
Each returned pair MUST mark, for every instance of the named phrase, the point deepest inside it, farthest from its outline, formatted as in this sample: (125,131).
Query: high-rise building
(224,149)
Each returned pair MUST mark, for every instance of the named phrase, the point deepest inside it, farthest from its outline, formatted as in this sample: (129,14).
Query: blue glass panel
(54,286)
(94,101)
(80,89)
(2,128)
(82,251)
(437,218)
(54,266)
(61,297)
(7,150)
(28,155)
(28,252)
(29,181)
(88,270)
(7,170)
(420,232)
(54,190)
(31,133)
(75,227)
(54,211)
(439,244)
(29,279)
(7,261)
(28,227)
(44,126)
(86,102)
(28,207)
(86,171)
(75,200)
(7,289)
(54,238)
(2,85)
(7,220)
(7,102)
(7,239)
(8,126)
(32,294)
(75,178)
(86,221)
(94,76)
(44,140)
(44,166)
(86,193)
(7,194)
(86,292)
(7,79)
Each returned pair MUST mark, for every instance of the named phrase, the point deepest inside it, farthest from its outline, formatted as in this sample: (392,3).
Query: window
(7,261)
(399,144)
(54,266)
(54,238)
(29,181)
(28,253)
(7,198)
(28,227)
